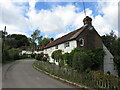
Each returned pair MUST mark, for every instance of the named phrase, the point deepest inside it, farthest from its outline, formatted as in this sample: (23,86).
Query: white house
(85,37)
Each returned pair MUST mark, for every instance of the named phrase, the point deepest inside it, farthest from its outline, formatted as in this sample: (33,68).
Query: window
(81,40)
(56,47)
(66,44)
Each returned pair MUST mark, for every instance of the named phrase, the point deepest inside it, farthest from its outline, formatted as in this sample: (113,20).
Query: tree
(17,40)
(116,52)
(109,39)
(113,43)
(33,39)
(57,55)
(44,41)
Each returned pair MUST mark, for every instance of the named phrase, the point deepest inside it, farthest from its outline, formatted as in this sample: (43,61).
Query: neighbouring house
(85,37)
(27,50)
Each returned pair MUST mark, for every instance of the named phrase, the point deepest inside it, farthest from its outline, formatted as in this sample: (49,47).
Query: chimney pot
(87,20)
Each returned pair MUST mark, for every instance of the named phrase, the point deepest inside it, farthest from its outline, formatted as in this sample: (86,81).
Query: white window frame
(66,44)
(81,40)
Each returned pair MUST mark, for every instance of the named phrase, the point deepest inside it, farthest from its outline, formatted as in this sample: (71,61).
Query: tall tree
(33,40)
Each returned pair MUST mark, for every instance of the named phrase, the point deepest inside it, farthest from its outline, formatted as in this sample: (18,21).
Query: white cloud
(12,17)
(55,20)
(109,21)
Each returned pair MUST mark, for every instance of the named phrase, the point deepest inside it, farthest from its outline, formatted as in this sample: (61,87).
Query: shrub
(24,56)
(39,56)
(97,58)
(57,55)
(66,58)
(5,53)
(44,59)
(14,54)
(81,61)
(61,63)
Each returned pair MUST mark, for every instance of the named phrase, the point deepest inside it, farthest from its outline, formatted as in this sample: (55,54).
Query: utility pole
(3,43)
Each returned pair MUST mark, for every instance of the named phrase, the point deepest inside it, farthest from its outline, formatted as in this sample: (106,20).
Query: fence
(92,79)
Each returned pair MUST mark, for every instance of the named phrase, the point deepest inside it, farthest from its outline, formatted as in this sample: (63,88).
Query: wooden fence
(89,79)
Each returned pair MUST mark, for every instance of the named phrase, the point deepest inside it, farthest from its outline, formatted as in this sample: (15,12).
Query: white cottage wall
(49,51)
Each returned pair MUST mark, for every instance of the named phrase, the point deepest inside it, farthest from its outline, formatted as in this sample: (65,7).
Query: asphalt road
(21,74)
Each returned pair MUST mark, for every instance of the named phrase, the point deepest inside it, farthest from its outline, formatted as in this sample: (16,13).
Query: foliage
(109,39)
(16,40)
(23,56)
(33,39)
(66,58)
(61,63)
(97,58)
(35,35)
(91,79)
(43,42)
(113,43)
(57,55)
(5,53)
(39,57)
(81,61)
(84,60)
(14,54)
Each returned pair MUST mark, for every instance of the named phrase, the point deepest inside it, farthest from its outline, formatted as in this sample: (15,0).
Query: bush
(39,56)
(44,59)
(57,55)
(117,62)
(97,58)
(61,63)
(66,58)
(5,53)
(81,61)
(14,54)
(24,56)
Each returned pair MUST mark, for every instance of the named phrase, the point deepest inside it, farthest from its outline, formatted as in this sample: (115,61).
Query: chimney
(51,39)
(87,20)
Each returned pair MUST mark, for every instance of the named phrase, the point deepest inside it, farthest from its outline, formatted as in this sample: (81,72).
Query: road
(21,74)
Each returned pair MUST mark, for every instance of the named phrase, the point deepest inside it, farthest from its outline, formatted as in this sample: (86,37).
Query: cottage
(85,37)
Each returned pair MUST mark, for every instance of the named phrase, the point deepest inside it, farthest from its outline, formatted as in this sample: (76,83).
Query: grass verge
(37,67)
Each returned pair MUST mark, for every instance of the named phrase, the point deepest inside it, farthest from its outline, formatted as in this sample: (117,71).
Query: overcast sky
(55,19)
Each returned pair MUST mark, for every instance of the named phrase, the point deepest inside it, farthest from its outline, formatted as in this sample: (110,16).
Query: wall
(91,38)
(72,45)
(29,52)
(109,64)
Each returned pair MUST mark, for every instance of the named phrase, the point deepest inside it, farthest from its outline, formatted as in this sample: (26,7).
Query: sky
(56,18)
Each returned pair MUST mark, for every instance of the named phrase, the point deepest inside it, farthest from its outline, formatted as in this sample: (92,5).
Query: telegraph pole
(3,43)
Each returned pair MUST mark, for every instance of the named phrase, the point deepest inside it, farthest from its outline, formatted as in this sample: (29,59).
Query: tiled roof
(70,36)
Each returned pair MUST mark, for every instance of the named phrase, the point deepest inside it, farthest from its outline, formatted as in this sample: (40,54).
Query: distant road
(21,74)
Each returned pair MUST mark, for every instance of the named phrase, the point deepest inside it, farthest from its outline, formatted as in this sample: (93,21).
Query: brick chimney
(87,20)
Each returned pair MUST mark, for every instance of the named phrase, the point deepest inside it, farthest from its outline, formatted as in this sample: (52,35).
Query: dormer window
(81,40)
(66,44)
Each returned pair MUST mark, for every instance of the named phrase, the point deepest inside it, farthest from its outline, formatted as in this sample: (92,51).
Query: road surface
(21,74)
